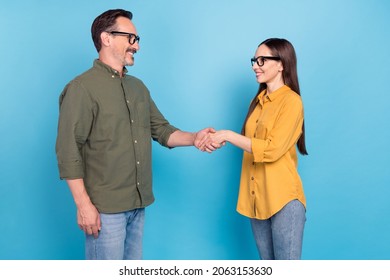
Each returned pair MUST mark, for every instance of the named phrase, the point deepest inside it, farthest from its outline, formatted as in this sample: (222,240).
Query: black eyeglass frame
(263,59)
(131,36)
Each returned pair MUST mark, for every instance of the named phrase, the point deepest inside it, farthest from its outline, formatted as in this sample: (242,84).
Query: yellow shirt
(269,176)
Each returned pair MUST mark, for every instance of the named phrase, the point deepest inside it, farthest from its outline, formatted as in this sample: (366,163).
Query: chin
(129,62)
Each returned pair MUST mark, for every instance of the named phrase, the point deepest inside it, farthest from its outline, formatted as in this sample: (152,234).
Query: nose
(136,45)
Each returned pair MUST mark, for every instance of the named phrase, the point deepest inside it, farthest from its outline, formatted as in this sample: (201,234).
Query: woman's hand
(220,136)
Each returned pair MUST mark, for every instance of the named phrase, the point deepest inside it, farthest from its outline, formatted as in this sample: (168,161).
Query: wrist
(194,137)
(82,200)
(227,135)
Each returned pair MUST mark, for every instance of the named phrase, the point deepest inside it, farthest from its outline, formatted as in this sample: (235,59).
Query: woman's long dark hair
(285,50)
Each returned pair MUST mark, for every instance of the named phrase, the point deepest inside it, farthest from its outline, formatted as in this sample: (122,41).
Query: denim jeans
(120,237)
(280,237)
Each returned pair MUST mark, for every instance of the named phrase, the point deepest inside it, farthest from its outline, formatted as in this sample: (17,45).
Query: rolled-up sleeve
(283,135)
(160,127)
(74,126)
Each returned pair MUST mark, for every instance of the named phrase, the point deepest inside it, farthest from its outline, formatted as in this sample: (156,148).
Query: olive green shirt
(105,128)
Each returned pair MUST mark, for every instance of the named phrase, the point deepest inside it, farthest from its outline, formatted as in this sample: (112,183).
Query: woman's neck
(274,85)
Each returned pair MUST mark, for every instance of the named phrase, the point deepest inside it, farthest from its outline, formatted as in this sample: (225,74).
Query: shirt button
(132,121)
(253,192)
(252,178)
(137,162)
(127,101)
(135,141)
(137,183)
(113,76)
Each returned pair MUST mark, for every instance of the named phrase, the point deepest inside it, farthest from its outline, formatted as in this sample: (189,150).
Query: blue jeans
(120,237)
(280,237)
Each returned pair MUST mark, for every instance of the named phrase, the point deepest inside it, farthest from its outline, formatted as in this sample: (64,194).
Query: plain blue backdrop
(194,58)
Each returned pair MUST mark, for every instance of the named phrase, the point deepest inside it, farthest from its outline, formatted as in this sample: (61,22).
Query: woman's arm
(232,137)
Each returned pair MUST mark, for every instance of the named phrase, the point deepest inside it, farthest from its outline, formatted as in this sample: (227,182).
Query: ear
(105,39)
(280,67)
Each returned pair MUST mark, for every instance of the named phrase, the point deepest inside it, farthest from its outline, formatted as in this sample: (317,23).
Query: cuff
(258,146)
(71,170)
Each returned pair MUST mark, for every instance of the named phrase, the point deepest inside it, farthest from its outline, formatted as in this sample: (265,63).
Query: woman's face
(271,70)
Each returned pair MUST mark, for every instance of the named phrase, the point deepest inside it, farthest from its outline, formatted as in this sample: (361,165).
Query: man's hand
(88,219)
(204,142)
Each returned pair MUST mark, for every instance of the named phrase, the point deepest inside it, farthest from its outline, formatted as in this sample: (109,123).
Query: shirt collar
(104,67)
(272,96)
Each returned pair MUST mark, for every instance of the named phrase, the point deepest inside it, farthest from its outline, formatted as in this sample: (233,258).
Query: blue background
(194,58)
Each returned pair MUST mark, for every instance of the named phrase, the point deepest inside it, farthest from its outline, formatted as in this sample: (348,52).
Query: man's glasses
(132,37)
(260,59)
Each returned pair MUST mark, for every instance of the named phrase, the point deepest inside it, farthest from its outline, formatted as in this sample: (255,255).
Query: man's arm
(181,138)
(88,217)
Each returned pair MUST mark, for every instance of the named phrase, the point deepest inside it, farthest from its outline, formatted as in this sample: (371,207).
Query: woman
(271,192)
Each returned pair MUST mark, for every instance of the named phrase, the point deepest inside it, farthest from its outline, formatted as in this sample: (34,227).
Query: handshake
(209,140)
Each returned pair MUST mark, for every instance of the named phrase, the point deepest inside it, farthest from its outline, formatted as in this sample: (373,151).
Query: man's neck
(106,60)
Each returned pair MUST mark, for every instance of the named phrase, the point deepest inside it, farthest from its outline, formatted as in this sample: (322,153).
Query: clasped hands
(209,140)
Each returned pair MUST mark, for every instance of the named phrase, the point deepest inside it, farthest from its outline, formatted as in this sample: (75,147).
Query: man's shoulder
(91,73)
(89,80)
(79,83)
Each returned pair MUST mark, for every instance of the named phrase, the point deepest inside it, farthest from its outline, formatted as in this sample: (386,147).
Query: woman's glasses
(261,59)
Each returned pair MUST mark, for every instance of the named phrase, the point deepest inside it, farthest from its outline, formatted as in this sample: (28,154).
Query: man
(107,119)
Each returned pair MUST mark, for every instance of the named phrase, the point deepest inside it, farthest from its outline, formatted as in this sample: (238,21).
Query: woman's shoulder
(291,96)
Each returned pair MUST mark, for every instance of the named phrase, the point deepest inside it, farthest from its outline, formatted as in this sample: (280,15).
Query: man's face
(121,49)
